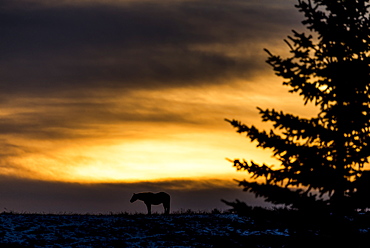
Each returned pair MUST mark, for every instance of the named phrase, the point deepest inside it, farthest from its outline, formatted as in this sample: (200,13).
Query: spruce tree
(321,157)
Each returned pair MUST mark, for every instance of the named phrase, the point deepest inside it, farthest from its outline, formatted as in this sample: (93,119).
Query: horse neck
(141,196)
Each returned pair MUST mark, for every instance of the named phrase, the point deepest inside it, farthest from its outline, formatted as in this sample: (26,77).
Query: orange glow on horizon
(110,91)
(195,146)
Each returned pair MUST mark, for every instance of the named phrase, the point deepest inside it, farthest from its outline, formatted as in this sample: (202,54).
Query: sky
(100,99)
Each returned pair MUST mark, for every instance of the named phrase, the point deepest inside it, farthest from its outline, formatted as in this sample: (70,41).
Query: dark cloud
(68,71)
(23,195)
(65,55)
(74,49)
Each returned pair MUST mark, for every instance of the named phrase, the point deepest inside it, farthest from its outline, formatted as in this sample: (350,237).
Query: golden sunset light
(137,91)
(193,144)
(184,123)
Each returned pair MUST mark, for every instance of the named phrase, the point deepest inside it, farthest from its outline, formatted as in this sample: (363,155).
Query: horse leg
(166,207)
(149,207)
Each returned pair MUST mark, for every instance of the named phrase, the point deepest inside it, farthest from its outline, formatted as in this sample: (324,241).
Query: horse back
(164,195)
(159,198)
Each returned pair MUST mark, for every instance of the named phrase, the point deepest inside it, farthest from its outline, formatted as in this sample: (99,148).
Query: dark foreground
(177,230)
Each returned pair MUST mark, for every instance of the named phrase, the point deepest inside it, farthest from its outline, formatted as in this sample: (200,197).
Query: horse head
(133,198)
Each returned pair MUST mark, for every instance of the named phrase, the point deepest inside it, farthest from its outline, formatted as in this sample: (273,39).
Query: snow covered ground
(178,230)
(175,230)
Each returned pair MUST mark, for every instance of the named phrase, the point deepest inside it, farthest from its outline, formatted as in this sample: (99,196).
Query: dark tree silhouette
(321,157)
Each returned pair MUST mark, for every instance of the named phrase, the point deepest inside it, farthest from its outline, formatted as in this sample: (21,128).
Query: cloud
(89,72)
(86,48)
(62,64)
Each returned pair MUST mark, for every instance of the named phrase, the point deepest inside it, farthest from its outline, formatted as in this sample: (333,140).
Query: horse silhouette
(150,199)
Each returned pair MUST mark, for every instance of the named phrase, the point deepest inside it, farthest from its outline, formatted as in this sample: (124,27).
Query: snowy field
(182,230)
(175,230)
